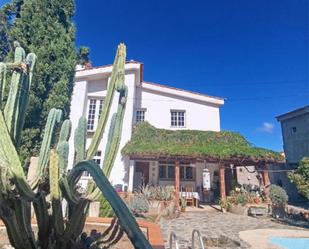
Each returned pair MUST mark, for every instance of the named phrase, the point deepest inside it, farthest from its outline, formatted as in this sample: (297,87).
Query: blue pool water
(291,243)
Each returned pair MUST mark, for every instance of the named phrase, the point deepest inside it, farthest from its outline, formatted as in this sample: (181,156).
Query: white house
(162,106)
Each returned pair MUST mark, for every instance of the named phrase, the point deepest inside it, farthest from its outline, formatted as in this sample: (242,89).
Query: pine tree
(45,27)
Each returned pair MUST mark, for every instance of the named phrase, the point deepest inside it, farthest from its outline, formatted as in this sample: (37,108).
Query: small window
(97,159)
(94,111)
(140,115)
(293,130)
(178,118)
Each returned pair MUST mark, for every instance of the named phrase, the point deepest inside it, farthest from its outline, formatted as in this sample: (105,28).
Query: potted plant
(183,204)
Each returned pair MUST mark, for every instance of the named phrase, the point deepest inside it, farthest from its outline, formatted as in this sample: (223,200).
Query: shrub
(300,177)
(278,195)
(138,205)
(239,197)
(159,193)
(225,203)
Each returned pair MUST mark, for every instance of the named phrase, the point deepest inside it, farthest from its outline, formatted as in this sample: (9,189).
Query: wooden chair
(189,196)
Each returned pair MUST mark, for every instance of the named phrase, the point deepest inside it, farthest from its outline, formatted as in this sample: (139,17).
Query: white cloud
(266,127)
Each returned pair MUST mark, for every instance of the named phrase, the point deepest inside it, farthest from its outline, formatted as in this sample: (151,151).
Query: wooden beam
(222,181)
(265,175)
(177,182)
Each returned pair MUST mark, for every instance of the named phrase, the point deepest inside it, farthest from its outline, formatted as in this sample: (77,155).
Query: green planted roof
(148,141)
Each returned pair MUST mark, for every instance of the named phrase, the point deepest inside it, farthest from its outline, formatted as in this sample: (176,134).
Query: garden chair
(189,196)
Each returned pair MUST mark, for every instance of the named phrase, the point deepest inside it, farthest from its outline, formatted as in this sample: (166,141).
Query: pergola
(224,148)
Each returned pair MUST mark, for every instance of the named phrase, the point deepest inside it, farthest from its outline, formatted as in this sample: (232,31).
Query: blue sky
(254,53)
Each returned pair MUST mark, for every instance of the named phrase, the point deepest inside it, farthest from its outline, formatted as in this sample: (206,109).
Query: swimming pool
(291,243)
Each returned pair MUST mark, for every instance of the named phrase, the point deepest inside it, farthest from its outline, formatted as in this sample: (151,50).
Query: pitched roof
(294,113)
(225,146)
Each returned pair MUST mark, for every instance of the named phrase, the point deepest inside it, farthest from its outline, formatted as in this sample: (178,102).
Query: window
(94,111)
(140,115)
(186,172)
(167,171)
(293,130)
(178,118)
(97,159)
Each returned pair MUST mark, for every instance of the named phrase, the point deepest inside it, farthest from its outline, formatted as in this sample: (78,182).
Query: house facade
(162,106)
(295,134)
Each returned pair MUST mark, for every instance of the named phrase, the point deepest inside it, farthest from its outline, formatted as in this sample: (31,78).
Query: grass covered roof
(150,142)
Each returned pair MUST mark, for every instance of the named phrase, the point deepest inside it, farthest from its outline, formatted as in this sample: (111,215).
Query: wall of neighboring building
(198,115)
(295,132)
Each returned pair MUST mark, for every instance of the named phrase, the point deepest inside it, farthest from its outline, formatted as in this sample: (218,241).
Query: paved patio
(213,224)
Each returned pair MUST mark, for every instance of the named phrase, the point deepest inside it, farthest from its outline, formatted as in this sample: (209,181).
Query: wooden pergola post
(222,181)
(177,182)
(265,175)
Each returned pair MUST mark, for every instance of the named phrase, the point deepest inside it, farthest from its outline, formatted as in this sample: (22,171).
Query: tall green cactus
(52,183)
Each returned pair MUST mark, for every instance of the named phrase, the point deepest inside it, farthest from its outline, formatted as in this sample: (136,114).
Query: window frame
(140,111)
(98,107)
(293,130)
(183,167)
(175,120)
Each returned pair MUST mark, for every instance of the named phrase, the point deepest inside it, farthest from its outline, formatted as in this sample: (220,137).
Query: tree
(300,177)
(7,13)
(83,56)
(4,43)
(45,27)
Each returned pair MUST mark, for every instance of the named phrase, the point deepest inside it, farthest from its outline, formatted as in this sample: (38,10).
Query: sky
(253,53)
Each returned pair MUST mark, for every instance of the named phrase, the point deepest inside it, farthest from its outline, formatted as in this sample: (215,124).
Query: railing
(173,237)
(195,231)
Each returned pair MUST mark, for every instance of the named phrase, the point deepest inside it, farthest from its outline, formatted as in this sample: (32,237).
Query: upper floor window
(178,118)
(97,159)
(94,111)
(293,130)
(140,115)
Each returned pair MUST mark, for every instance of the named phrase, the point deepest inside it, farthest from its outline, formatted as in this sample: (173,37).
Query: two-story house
(295,133)
(162,106)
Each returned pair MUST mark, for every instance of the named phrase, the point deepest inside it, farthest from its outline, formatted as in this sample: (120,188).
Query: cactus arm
(22,209)
(114,137)
(80,139)
(63,152)
(9,159)
(43,220)
(2,82)
(13,232)
(110,137)
(126,219)
(20,114)
(67,192)
(111,153)
(77,220)
(54,192)
(117,75)
(65,131)
(30,61)
(12,105)
(53,118)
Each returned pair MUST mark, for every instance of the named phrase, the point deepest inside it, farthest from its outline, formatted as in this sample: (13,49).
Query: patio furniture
(192,198)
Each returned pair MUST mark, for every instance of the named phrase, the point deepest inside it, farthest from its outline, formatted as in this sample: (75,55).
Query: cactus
(52,183)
